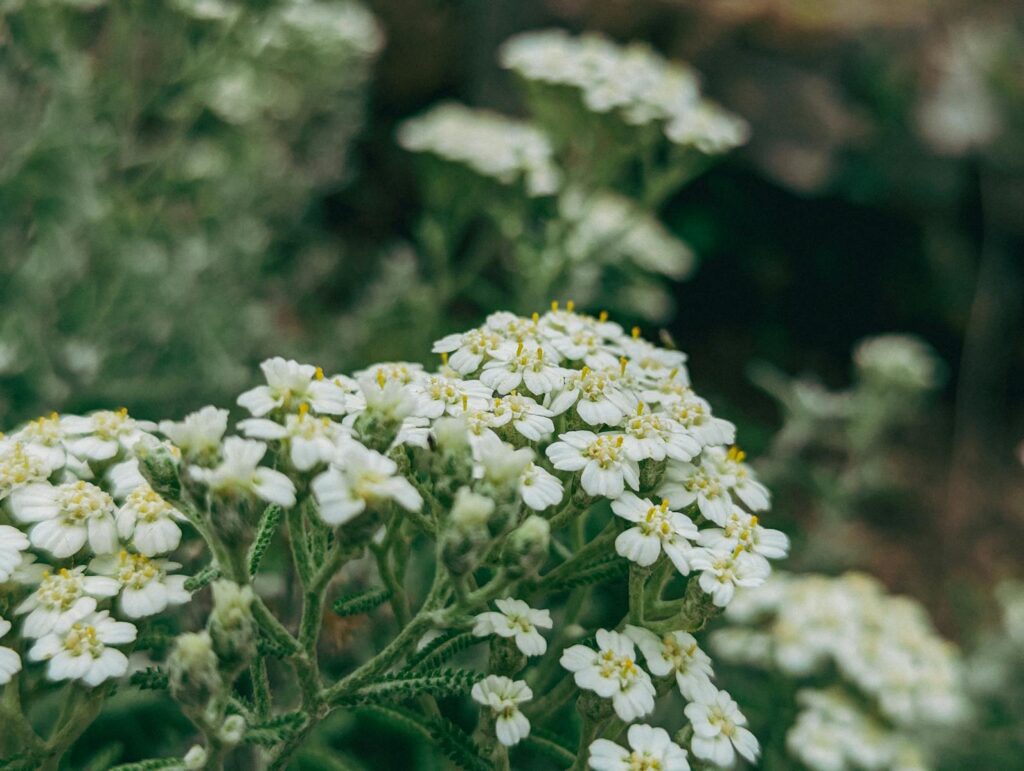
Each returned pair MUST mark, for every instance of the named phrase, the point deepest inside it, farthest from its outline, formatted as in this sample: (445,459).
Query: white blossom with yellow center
(656,529)
(612,673)
(606,467)
(66,517)
(20,464)
(62,598)
(102,435)
(517,620)
(650,749)
(146,587)
(83,651)
(149,522)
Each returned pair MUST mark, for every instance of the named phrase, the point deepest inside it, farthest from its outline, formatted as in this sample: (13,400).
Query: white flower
(538,488)
(586,339)
(612,673)
(10,662)
(290,384)
(742,530)
(359,477)
(61,599)
(597,396)
(67,516)
(311,440)
(448,393)
(199,434)
(527,417)
(514,364)
(83,652)
(656,436)
(606,467)
(149,522)
(743,482)
(146,589)
(125,477)
(652,750)
(719,729)
(499,462)
(504,696)
(103,434)
(12,543)
(694,414)
(518,620)
(675,653)
(20,464)
(45,436)
(387,393)
(239,472)
(724,570)
(467,349)
(686,483)
(658,529)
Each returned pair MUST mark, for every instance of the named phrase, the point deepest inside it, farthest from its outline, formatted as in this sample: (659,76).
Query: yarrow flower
(67,517)
(719,729)
(103,434)
(310,440)
(200,433)
(239,472)
(145,586)
(675,653)
(650,749)
(357,478)
(149,522)
(518,621)
(658,529)
(606,467)
(503,696)
(612,673)
(63,598)
(722,570)
(289,385)
(20,464)
(84,650)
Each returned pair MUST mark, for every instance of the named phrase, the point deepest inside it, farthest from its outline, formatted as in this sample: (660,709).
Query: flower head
(674,653)
(67,516)
(657,529)
(606,467)
(650,749)
(719,729)
(83,651)
(61,599)
(290,384)
(359,477)
(239,472)
(504,695)
(612,673)
(146,587)
(515,619)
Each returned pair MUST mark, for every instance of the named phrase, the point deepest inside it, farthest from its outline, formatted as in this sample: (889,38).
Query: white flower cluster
(883,646)
(490,144)
(901,361)
(86,538)
(613,227)
(633,81)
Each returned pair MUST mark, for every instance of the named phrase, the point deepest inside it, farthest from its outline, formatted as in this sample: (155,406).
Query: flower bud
(527,545)
(158,464)
(471,511)
(232,730)
(195,758)
(192,670)
(231,625)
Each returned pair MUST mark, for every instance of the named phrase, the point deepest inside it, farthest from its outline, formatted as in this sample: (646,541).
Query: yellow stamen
(381,377)
(303,409)
(465,403)
(623,363)
(640,408)
(444,358)
(737,552)
(519,348)
(618,441)
(585,371)
(554,305)
(319,374)
(570,306)
(602,316)
(753,521)
(635,332)
(535,317)
(664,504)
(123,412)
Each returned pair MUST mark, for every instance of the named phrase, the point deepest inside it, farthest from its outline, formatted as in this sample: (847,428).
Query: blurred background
(188,187)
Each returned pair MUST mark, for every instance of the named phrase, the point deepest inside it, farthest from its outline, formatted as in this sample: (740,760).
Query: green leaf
(264,535)
(551,745)
(404,686)
(148,765)
(276,730)
(361,602)
(451,740)
(596,572)
(442,648)
(206,576)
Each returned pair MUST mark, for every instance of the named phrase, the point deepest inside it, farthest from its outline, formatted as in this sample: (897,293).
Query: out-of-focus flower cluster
(633,82)
(574,190)
(896,679)
(151,178)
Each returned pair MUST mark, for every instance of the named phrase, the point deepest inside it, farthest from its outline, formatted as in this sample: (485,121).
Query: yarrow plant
(873,682)
(484,516)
